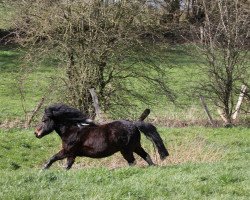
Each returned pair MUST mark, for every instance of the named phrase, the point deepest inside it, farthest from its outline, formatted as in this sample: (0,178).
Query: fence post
(206,110)
(96,105)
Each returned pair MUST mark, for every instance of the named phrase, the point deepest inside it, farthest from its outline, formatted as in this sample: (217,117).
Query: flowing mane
(65,113)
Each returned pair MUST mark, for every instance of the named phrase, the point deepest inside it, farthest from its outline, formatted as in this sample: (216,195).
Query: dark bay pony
(82,137)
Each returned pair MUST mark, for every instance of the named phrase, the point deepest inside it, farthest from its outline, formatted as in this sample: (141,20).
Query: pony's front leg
(70,162)
(59,156)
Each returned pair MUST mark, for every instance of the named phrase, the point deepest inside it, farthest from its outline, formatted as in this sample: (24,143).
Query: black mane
(65,113)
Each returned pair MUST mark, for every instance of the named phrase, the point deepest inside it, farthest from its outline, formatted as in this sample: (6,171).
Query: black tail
(150,131)
(145,113)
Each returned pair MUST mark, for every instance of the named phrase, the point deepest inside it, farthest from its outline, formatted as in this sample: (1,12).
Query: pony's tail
(150,131)
(145,113)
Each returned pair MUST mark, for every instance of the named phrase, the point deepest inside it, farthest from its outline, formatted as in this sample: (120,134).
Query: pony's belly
(100,155)
(94,154)
(97,152)
(98,147)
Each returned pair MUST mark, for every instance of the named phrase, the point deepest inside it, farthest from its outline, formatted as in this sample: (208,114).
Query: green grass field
(21,88)
(204,163)
(34,83)
(5,16)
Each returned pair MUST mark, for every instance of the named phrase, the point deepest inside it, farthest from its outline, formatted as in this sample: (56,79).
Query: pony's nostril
(37,135)
(37,132)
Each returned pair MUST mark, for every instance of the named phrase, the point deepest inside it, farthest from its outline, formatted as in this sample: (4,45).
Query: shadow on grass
(181,56)
(9,59)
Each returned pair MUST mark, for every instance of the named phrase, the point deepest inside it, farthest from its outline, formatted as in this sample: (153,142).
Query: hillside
(23,87)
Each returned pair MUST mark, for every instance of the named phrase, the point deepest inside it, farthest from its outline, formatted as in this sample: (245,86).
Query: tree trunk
(241,97)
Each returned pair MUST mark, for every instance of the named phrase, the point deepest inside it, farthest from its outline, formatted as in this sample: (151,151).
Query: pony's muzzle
(38,136)
(38,132)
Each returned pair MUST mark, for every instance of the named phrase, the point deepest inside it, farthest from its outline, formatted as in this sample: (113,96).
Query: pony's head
(46,127)
(58,115)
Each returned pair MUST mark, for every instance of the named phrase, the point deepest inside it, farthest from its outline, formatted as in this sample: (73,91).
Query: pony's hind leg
(129,157)
(142,153)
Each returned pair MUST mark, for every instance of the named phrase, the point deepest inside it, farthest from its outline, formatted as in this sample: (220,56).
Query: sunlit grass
(21,87)
(225,177)
(5,16)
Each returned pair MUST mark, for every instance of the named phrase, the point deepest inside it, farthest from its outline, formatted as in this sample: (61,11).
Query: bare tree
(92,42)
(225,48)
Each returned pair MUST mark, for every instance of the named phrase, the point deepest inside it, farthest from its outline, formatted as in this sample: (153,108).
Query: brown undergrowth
(196,150)
(11,123)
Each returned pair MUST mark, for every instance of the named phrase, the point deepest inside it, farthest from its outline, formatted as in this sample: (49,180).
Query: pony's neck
(65,130)
(61,130)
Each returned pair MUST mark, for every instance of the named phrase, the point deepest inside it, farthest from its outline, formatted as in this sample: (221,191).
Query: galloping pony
(82,137)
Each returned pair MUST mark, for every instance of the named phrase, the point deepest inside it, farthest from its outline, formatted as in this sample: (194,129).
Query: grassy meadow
(22,87)
(204,163)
